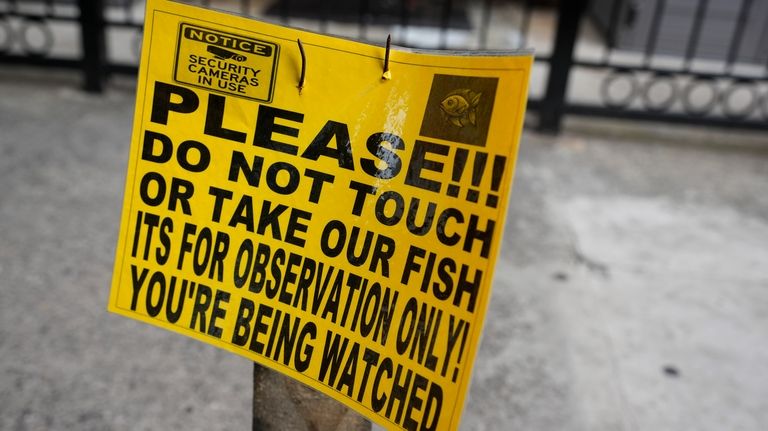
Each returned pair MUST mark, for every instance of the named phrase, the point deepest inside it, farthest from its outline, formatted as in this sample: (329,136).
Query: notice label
(345,234)
(226,62)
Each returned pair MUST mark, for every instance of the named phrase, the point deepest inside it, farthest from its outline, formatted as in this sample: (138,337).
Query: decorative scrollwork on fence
(706,90)
(619,89)
(746,88)
(6,35)
(32,35)
(735,99)
(35,37)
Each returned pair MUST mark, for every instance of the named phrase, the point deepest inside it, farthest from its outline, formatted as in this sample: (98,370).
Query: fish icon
(460,107)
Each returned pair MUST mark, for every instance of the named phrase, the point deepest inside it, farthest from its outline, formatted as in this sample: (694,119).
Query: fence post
(93,43)
(283,404)
(552,107)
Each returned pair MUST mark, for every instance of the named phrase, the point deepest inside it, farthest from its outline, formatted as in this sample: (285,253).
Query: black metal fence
(687,61)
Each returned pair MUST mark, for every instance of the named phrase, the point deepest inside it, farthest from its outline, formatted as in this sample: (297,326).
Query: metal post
(283,404)
(560,63)
(93,43)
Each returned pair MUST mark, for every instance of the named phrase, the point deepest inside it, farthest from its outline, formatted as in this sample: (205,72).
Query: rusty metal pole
(283,404)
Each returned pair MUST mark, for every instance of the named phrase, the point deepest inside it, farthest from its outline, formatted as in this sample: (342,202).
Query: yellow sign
(226,62)
(345,233)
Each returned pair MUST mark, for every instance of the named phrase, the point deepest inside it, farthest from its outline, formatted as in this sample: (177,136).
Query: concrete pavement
(631,292)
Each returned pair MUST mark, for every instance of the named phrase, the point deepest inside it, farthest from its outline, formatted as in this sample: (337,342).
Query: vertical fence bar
(553,104)
(323,24)
(404,13)
(693,38)
(611,32)
(445,23)
(766,68)
(653,33)
(93,43)
(127,11)
(525,22)
(362,19)
(285,9)
(738,34)
(485,23)
(49,8)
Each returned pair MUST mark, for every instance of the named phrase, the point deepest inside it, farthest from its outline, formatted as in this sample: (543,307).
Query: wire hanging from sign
(303,73)
(387,75)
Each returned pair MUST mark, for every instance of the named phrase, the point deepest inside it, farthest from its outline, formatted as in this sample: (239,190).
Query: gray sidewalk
(631,292)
